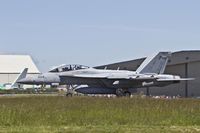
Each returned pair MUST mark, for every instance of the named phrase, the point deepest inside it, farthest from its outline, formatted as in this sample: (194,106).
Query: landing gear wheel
(119,92)
(122,93)
(127,94)
(69,95)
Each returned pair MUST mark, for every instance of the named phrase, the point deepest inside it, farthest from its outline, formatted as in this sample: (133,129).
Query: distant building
(183,63)
(12,65)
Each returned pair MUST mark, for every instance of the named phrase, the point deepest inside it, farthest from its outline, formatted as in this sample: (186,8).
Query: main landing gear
(148,91)
(122,93)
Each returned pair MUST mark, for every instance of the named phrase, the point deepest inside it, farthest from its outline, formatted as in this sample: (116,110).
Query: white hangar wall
(12,65)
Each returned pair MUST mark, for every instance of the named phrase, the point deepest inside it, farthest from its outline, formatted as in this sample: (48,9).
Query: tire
(127,94)
(119,92)
(69,95)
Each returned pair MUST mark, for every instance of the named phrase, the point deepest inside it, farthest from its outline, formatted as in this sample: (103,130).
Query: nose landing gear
(70,90)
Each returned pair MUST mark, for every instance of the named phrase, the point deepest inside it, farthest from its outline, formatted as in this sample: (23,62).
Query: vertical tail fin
(21,76)
(154,64)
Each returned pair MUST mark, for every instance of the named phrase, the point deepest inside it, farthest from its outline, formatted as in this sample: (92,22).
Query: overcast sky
(97,32)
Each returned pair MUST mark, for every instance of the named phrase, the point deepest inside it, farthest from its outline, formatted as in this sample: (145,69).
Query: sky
(97,32)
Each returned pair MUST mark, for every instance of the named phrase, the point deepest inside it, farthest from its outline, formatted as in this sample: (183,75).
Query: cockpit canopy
(64,68)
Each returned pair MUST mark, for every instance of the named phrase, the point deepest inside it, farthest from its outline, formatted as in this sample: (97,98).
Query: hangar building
(183,63)
(12,65)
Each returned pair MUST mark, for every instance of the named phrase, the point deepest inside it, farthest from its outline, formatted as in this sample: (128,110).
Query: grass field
(89,114)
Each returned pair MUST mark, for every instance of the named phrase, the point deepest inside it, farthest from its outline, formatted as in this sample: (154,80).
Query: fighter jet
(88,80)
(120,82)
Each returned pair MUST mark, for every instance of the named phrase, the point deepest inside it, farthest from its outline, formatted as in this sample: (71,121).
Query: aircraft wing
(110,77)
(136,78)
(98,76)
(114,77)
(103,80)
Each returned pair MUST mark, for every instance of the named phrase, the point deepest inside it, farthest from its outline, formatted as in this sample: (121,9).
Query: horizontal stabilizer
(182,79)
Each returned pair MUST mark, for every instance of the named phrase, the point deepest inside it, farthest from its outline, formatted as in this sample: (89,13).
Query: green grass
(88,114)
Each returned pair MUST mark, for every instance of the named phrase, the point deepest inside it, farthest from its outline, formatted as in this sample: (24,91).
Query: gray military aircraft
(119,82)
